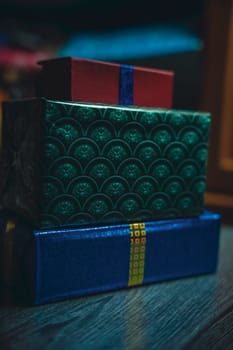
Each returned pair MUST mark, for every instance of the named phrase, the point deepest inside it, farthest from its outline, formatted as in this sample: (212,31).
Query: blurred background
(193,38)
(166,34)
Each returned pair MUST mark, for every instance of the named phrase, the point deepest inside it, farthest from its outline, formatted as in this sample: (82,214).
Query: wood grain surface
(192,313)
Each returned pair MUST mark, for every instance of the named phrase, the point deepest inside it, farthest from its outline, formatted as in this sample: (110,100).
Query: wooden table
(192,313)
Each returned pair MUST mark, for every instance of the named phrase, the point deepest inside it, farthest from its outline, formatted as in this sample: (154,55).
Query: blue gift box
(75,261)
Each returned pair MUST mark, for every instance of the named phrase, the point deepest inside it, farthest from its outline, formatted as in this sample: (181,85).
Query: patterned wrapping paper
(76,79)
(70,163)
(59,264)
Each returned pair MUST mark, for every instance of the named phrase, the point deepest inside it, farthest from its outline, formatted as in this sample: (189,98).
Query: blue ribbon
(126,83)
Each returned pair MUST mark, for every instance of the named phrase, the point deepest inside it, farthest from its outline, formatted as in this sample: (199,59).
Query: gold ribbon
(137,253)
(7,264)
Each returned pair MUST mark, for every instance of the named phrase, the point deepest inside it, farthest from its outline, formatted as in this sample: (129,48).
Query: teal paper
(97,163)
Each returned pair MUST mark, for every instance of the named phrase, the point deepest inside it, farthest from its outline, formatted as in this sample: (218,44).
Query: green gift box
(70,163)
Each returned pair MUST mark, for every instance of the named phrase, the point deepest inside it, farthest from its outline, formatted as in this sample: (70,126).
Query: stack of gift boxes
(97,194)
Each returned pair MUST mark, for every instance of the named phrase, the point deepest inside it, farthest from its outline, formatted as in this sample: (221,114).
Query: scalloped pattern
(106,164)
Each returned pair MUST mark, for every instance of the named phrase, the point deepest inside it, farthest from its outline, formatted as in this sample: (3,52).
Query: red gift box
(104,82)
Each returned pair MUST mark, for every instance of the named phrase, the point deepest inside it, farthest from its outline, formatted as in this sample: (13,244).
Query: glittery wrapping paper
(70,163)
(58,264)
(78,79)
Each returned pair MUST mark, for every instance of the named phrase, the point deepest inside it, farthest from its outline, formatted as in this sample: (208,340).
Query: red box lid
(104,82)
